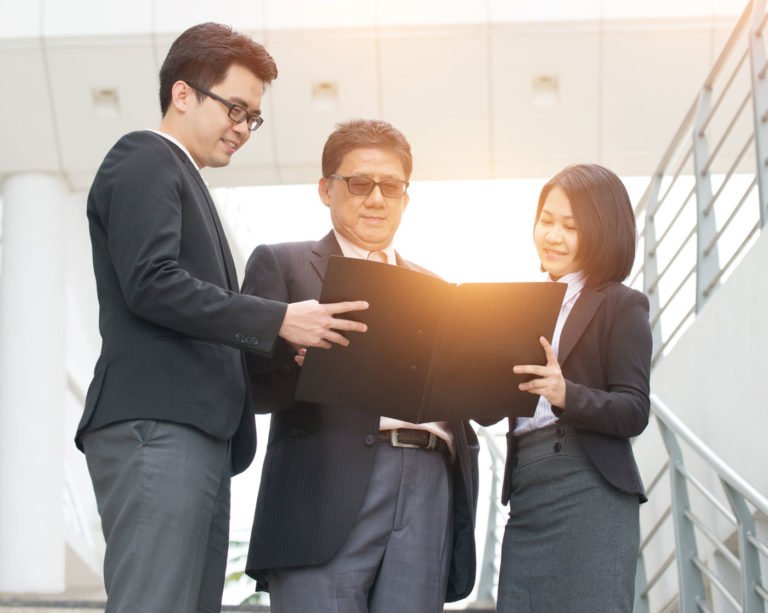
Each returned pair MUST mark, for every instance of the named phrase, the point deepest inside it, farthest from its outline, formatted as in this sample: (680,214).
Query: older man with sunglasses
(356,512)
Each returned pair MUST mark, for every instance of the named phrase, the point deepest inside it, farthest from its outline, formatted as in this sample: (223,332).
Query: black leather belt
(414,439)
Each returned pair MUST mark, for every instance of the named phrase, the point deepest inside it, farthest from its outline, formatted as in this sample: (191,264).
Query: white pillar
(32,385)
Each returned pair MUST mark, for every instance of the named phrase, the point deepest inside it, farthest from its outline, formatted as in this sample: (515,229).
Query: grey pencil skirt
(571,541)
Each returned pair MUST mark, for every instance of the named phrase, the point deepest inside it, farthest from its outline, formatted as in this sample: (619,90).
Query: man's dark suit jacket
(605,357)
(171,317)
(319,458)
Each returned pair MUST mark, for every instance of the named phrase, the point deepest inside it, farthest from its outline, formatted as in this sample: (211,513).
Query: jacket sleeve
(273,378)
(620,406)
(264,279)
(138,202)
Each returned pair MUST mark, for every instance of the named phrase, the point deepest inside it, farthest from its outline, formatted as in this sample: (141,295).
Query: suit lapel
(226,253)
(327,246)
(401,262)
(322,251)
(583,312)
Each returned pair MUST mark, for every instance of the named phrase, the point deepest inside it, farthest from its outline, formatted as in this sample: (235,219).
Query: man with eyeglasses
(168,418)
(356,512)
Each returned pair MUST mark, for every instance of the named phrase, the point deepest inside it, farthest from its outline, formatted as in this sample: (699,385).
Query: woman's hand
(550,382)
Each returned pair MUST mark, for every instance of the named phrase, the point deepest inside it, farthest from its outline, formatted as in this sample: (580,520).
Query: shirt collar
(575,280)
(351,250)
(177,142)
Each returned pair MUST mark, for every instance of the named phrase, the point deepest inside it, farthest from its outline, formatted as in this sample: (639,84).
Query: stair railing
(738,505)
(708,197)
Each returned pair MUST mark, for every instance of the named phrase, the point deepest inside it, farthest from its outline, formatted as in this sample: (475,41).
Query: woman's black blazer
(605,356)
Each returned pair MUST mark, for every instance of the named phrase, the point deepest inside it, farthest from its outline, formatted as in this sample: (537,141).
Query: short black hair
(604,220)
(203,55)
(365,134)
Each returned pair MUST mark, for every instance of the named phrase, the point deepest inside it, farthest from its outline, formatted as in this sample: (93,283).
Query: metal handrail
(724,471)
(745,501)
(715,213)
(489,565)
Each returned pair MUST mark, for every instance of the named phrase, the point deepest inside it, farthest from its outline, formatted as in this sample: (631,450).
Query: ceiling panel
(96,17)
(299,14)
(102,89)
(475,101)
(730,8)
(655,9)
(434,88)
(26,123)
(431,12)
(649,80)
(242,15)
(19,19)
(545,84)
(551,10)
(324,78)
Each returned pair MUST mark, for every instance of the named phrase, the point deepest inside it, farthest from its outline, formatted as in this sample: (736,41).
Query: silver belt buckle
(394,440)
(433,438)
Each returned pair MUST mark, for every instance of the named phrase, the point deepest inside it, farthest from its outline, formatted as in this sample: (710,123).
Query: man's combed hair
(604,220)
(362,134)
(204,53)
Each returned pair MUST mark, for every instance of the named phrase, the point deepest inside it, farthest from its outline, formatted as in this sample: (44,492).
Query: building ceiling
(488,92)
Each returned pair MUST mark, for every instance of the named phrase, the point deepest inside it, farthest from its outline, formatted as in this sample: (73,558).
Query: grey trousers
(396,558)
(162,491)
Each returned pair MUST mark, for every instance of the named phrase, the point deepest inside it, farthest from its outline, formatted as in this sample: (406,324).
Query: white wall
(713,379)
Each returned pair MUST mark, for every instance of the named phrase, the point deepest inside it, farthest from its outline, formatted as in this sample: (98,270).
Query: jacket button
(557,447)
(370,440)
(560,431)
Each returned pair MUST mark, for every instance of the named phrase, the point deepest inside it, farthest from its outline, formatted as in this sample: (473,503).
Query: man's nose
(242,129)
(375,198)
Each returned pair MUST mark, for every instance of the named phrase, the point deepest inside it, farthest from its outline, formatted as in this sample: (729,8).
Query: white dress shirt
(544,416)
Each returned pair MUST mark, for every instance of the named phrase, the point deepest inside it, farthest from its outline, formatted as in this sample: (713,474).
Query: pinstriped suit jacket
(319,458)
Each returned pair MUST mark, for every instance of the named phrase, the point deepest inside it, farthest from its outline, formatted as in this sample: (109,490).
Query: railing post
(751,602)
(759,73)
(485,589)
(707,264)
(689,576)
(486,593)
(650,261)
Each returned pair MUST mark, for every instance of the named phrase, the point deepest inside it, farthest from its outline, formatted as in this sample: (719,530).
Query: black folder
(433,350)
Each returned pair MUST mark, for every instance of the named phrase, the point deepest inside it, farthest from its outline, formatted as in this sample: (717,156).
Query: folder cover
(433,350)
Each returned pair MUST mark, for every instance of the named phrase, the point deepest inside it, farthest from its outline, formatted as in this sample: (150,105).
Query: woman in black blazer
(571,541)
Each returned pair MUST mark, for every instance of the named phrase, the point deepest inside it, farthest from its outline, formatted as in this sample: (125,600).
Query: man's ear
(406,200)
(182,95)
(323,185)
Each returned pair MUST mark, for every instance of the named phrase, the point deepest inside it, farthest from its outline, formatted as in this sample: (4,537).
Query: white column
(32,385)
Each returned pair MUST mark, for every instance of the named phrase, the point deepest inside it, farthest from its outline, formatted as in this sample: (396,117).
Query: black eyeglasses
(362,186)
(236,112)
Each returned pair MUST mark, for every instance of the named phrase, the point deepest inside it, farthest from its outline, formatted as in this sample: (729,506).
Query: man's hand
(311,324)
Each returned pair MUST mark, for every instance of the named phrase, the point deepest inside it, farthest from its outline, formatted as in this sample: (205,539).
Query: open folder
(433,350)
